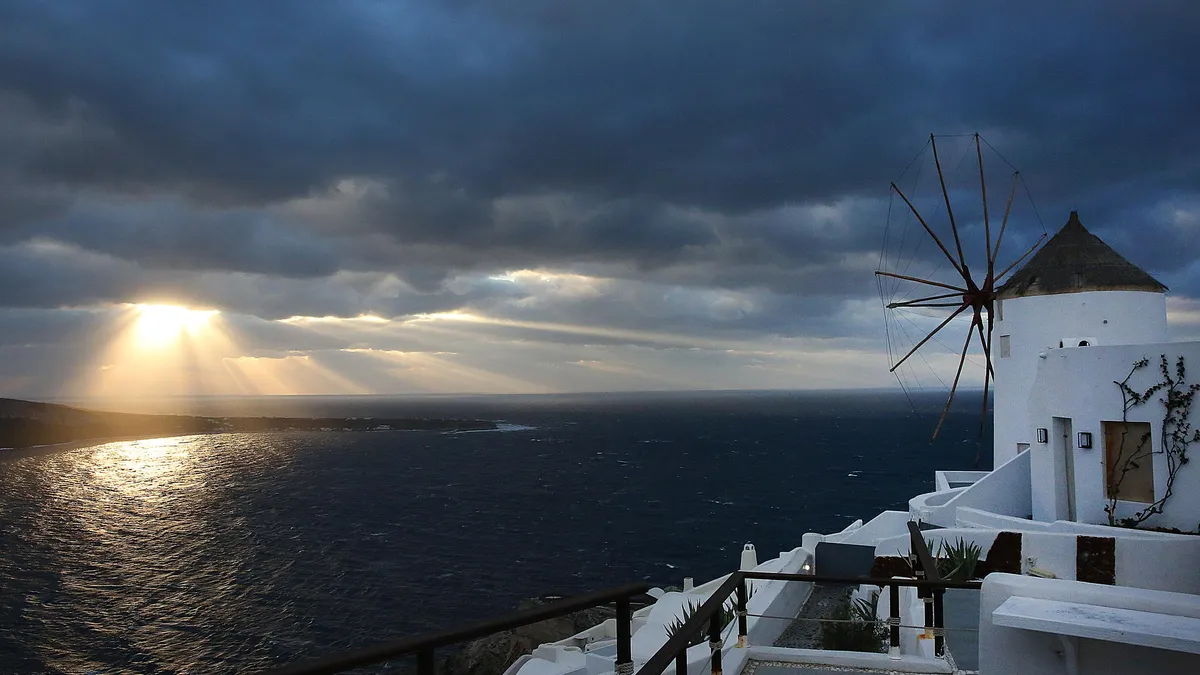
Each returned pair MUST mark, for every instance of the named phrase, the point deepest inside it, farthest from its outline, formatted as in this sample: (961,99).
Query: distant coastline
(33,426)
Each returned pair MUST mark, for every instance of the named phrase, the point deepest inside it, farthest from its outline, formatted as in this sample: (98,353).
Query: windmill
(958,279)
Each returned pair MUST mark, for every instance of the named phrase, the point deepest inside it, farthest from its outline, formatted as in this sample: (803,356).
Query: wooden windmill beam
(1004,223)
(962,358)
(987,228)
(925,225)
(987,355)
(986,342)
(919,280)
(919,302)
(1018,260)
(929,337)
(949,211)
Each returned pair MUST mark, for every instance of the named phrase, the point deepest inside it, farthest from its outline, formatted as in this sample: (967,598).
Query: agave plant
(957,561)
(866,609)
(728,613)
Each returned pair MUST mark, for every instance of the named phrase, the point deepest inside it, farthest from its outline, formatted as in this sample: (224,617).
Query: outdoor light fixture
(1043,435)
(1085,440)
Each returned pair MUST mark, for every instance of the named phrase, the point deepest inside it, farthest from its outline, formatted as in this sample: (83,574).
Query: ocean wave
(501,427)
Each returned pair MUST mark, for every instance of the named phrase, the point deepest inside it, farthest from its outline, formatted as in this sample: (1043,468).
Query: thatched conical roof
(1074,261)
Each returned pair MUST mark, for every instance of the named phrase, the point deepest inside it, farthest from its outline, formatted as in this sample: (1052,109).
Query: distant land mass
(25,424)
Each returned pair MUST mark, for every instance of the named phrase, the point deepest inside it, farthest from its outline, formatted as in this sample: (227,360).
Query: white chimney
(749,558)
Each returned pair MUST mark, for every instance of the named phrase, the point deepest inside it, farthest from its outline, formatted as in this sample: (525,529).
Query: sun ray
(153,350)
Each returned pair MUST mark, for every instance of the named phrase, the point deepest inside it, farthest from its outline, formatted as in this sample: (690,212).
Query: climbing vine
(1175,436)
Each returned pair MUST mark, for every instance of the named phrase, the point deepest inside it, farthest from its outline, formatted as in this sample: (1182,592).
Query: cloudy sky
(392,197)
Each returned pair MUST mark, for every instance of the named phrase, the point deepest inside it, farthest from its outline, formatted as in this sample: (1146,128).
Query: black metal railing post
(425,662)
(927,598)
(743,594)
(714,642)
(939,623)
(894,621)
(624,664)
(924,568)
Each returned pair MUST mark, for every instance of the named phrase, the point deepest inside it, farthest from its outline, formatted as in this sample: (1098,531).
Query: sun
(160,325)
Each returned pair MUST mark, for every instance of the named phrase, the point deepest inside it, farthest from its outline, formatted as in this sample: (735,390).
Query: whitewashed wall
(1037,323)
(1078,384)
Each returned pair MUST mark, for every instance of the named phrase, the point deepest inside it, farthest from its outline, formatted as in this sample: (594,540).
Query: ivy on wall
(1174,437)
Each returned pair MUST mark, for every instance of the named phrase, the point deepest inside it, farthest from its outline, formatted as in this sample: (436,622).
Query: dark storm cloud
(170,235)
(662,143)
(720,105)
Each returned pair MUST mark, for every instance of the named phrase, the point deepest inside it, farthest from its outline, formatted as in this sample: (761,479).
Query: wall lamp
(1085,440)
(1043,435)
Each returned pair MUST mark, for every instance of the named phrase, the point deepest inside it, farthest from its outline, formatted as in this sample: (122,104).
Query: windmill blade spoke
(1004,223)
(986,342)
(930,231)
(902,305)
(983,412)
(1023,256)
(919,280)
(987,346)
(987,355)
(962,358)
(929,337)
(949,211)
(920,302)
(987,228)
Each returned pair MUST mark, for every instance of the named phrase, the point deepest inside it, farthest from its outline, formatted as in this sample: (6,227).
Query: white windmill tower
(1075,292)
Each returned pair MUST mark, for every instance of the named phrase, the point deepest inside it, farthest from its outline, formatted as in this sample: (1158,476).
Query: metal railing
(931,588)
(423,646)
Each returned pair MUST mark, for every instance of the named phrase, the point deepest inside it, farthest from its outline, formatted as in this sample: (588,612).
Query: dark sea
(235,553)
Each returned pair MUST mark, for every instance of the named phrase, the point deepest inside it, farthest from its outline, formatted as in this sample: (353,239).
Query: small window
(1022,447)
(999,310)
(1005,346)
(1129,459)
(1084,343)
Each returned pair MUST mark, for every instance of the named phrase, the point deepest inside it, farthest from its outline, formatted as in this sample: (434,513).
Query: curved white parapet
(885,525)
(1005,491)
(924,507)
(948,480)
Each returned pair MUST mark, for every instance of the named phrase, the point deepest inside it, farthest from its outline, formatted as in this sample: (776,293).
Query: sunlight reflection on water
(137,556)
